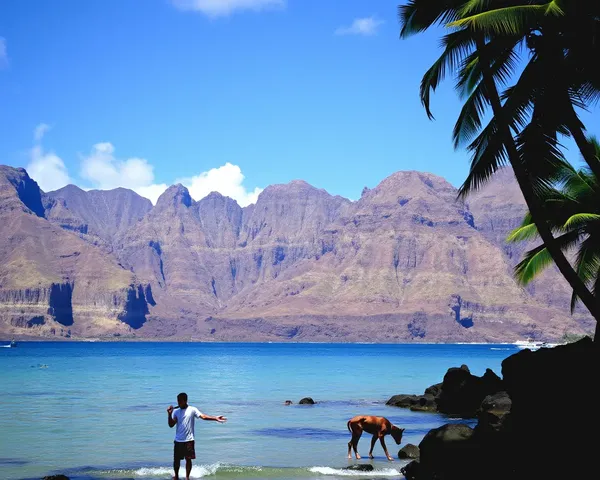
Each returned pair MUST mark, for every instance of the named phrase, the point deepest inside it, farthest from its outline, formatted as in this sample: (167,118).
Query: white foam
(198,471)
(386,472)
(153,471)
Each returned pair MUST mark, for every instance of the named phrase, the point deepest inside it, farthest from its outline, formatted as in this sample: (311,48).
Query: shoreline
(517,343)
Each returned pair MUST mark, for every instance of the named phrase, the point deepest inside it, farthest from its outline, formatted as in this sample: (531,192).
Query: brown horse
(379,427)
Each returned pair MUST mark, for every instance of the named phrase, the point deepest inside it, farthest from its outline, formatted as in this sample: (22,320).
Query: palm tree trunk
(535,207)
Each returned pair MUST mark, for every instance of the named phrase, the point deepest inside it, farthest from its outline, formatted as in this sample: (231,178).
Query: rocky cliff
(53,283)
(406,262)
(97,214)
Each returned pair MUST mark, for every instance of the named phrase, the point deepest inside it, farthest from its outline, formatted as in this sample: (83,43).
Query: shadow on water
(79,477)
(300,432)
(13,461)
(88,472)
(320,402)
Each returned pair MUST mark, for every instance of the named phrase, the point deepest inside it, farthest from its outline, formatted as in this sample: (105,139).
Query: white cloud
(106,172)
(3,54)
(361,26)
(102,170)
(218,8)
(46,168)
(227,180)
(40,131)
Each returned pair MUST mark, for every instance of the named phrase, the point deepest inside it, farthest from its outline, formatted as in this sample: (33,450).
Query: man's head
(397,434)
(182,400)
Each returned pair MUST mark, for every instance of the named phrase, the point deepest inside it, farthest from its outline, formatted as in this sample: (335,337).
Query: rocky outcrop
(519,428)
(460,394)
(360,467)
(19,192)
(409,451)
(444,450)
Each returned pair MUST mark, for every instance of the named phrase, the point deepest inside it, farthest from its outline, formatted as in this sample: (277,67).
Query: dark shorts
(184,450)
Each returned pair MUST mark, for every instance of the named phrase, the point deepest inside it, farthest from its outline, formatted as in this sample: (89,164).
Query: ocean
(95,410)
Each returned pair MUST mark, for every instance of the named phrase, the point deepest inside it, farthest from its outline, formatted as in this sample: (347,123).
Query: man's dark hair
(182,395)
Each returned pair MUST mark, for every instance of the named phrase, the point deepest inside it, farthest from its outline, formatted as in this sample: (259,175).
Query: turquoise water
(96,410)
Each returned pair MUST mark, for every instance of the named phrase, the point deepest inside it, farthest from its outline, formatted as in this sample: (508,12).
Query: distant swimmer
(287,402)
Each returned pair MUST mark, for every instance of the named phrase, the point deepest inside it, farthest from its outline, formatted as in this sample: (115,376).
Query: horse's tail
(348,425)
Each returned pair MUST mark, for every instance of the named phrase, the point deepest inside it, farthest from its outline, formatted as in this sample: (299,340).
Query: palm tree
(575,201)
(483,61)
(564,41)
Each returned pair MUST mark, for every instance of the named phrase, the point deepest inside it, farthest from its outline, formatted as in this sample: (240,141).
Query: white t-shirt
(185,423)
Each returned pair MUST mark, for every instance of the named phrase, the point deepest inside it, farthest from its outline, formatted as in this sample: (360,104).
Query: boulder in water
(361,467)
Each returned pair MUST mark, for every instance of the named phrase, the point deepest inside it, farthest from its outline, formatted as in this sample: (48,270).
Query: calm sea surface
(94,410)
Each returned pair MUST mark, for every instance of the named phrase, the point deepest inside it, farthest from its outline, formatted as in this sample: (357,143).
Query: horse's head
(397,434)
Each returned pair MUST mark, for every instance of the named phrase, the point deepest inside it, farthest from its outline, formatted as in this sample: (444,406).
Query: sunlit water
(98,410)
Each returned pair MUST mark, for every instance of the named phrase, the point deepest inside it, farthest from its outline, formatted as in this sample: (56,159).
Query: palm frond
(469,120)
(579,186)
(474,6)
(503,60)
(587,261)
(589,93)
(419,15)
(587,265)
(514,20)
(527,219)
(579,219)
(596,289)
(532,265)
(519,98)
(596,144)
(590,150)
(489,155)
(537,259)
(540,153)
(474,107)
(527,232)
(457,45)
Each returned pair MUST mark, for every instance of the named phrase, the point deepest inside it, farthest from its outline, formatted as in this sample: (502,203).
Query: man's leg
(175,462)
(188,468)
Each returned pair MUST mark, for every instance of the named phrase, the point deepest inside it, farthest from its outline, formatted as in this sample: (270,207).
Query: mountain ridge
(408,261)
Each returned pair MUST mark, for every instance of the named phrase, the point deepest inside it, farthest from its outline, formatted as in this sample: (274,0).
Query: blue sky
(227,95)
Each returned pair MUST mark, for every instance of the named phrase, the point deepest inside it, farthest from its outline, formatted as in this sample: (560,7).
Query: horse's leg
(373,440)
(355,439)
(350,445)
(385,448)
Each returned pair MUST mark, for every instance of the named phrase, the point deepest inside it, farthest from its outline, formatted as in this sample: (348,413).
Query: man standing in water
(184,417)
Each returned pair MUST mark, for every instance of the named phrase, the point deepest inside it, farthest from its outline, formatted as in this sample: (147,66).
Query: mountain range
(407,262)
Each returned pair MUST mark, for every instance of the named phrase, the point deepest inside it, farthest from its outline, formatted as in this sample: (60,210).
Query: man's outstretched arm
(218,418)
